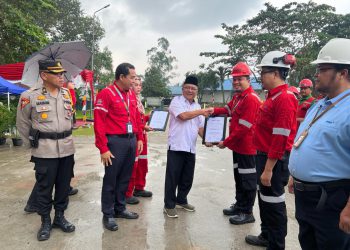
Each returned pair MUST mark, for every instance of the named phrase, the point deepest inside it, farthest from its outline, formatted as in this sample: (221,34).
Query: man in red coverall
(243,109)
(273,138)
(137,181)
(306,100)
(118,134)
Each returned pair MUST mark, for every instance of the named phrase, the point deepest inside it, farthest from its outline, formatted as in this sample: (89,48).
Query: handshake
(207,111)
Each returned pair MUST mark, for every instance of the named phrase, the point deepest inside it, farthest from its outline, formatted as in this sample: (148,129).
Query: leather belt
(123,135)
(320,186)
(54,136)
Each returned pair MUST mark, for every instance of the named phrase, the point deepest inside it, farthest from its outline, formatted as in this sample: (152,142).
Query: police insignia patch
(24,102)
(41,97)
(44,116)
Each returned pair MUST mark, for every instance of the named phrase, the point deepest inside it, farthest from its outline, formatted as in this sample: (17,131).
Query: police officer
(273,138)
(243,109)
(44,116)
(319,161)
(306,99)
(118,135)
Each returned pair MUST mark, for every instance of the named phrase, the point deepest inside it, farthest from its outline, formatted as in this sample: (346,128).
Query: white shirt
(183,134)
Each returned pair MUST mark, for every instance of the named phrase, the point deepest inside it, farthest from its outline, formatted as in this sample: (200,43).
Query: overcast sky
(133,26)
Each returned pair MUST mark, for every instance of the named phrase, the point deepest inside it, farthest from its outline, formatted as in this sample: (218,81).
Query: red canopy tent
(12,72)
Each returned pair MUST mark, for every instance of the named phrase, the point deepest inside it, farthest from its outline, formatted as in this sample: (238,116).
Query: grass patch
(84,131)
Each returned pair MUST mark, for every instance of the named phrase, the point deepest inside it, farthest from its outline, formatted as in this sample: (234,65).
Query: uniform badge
(44,116)
(44,108)
(24,102)
(66,96)
(41,97)
(99,101)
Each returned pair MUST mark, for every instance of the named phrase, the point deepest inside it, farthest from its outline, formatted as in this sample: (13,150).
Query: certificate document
(214,129)
(159,120)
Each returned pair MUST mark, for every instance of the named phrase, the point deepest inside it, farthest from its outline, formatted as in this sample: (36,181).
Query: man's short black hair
(340,67)
(123,69)
(283,72)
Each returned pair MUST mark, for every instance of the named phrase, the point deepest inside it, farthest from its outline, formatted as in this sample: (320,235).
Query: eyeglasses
(303,88)
(322,70)
(190,88)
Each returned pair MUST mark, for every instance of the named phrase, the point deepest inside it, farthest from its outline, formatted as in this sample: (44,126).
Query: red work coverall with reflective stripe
(276,123)
(243,109)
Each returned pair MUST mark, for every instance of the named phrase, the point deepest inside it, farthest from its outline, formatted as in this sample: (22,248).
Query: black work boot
(61,222)
(242,218)
(44,231)
(257,240)
(232,210)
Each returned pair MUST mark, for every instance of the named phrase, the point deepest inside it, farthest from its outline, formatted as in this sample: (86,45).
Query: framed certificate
(159,120)
(214,129)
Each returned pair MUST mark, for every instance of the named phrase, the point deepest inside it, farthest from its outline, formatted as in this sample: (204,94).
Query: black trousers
(273,212)
(179,175)
(245,182)
(50,173)
(117,176)
(32,200)
(319,229)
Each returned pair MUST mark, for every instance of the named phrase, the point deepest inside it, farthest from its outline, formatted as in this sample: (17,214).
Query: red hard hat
(305,83)
(240,69)
(294,90)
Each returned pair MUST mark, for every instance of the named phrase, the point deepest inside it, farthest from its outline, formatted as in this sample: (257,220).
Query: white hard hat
(336,51)
(271,59)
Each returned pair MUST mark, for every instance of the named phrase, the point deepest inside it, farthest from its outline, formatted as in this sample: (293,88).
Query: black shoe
(257,240)
(73,191)
(232,210)
(242,218)
(30,209)
(142,193)
(61,222)
(132,200)
(126,215)
(44,231)
(109,223)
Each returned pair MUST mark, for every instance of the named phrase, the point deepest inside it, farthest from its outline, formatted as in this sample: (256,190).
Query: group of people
(280,141)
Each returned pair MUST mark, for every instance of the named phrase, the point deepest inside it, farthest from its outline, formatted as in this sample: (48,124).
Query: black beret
(191,80)
(52,66)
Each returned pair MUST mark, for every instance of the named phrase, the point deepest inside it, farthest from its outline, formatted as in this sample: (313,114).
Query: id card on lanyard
(126,105)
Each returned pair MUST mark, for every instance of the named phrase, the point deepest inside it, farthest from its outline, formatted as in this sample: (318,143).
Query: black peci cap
(191,80)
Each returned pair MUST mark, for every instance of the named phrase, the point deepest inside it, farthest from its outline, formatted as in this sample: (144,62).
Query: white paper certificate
(215,129)
(159,120)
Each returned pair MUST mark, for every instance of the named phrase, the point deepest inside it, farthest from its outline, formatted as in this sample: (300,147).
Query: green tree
(160,70)
(207,80)
(299,28)
(20,33)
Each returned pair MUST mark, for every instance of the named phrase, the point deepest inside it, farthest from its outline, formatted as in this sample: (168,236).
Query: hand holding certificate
(159,120)
(214,129)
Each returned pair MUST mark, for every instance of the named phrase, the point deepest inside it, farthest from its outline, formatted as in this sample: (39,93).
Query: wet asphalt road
(206,228)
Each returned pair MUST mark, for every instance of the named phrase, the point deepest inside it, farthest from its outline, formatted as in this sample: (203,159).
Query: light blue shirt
(324,155)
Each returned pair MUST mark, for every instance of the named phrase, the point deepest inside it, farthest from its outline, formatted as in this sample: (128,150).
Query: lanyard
(239,99)
(125,105)
(316,117)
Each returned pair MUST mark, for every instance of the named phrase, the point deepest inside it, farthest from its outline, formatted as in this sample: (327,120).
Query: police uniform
(243,109)
(274,135)
(114,110)
(46,121)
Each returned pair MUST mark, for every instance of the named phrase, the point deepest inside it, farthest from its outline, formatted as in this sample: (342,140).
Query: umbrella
(74,56)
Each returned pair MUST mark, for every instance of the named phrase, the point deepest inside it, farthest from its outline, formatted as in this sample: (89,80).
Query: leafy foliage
(299,28)
(158,74)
